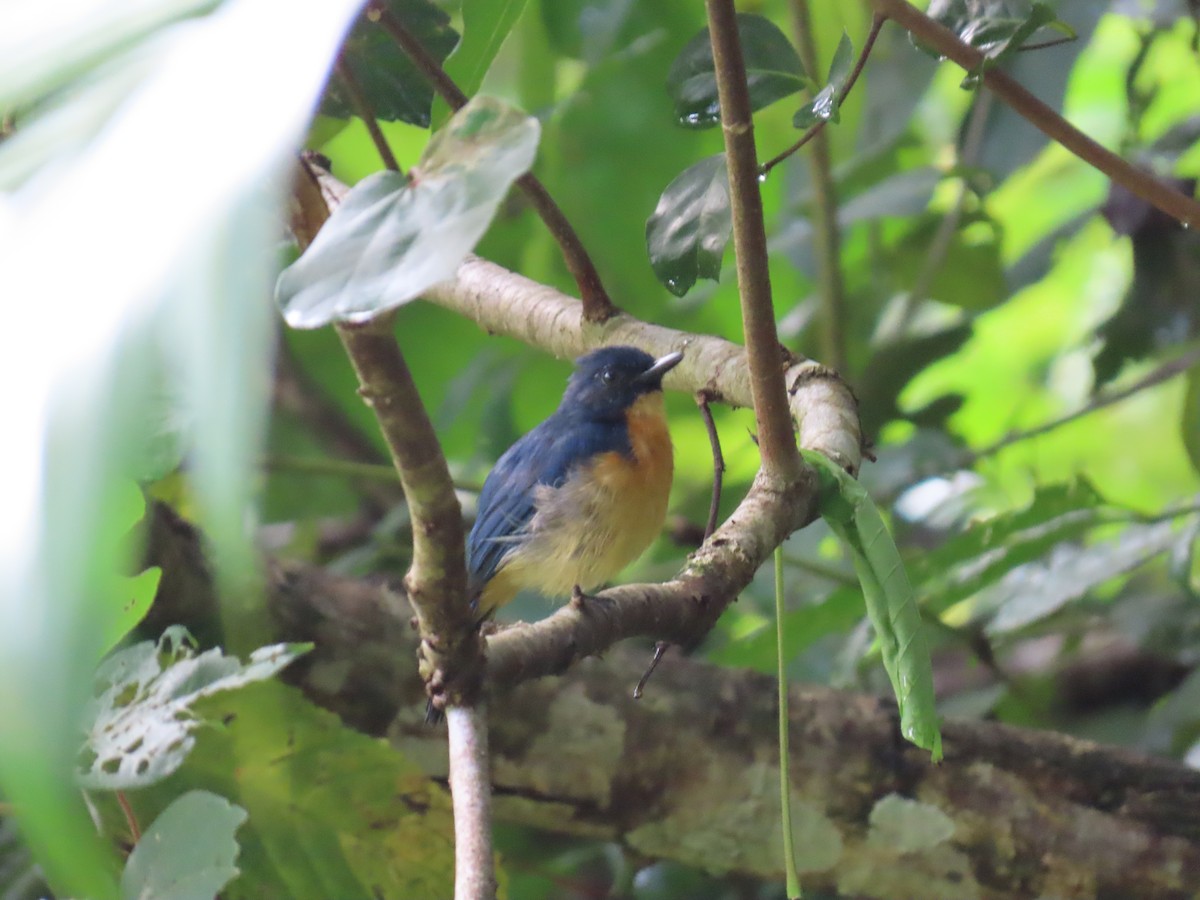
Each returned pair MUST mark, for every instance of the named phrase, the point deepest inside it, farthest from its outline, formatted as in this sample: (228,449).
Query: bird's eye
(608,376)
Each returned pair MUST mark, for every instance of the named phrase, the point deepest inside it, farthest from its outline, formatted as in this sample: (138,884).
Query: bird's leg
(660,647)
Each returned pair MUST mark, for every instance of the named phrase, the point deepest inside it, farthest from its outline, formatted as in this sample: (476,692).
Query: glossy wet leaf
(486,24)
(891,605)
(997,28)
(139,725)
(389,82)
(824,107)
(188,853)
(773,71)
(392,237)
(687,234)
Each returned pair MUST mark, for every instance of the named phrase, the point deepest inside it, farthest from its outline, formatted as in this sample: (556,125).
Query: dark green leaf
(825,106)
(188,853)
(391,85)
(773,71)
(392,237)
(997,28)
(1031,592)
(894,365)
(968,274)
(687,234)
(486,23)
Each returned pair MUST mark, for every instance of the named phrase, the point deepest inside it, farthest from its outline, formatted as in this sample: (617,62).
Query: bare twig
(358,99)
(130,819)
(868,46)
(597,305)
(942,40)
(777,444)
(714,440)
(826,235)
(471,794)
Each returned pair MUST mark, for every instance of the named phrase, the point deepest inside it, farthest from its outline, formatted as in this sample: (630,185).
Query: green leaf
(773,71)
(825,106)
(188,853)
(997,28)
(334,813)
(986,551)
(687,234)
(486,24)
(1190,420)
(140,729)
(894,364)
(970,272)
(1032,592)
(391,85)
(392,237)
(139,592)
(849,511)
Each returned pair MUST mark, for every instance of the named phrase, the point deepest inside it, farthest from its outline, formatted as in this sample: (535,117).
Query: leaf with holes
(826,105)
(140,724)
(773,71)
(393,237)
(687,234)
(373,70)
(189,852)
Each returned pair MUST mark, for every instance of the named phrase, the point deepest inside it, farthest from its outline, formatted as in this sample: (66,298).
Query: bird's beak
(661,367)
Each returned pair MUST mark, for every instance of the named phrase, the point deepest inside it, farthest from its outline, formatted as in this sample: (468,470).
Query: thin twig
(777,443)
(714,440)
(868,45)
(362,106)
(1166,371)
(471,795)
(946,43)
(597,305)
(826,234)
(130,818)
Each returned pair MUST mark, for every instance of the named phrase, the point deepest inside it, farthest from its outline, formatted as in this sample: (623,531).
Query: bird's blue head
(606,382)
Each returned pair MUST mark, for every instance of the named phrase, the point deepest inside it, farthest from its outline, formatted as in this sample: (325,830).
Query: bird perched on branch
(584,493)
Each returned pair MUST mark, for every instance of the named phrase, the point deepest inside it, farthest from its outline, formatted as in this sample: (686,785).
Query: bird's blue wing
(546,456)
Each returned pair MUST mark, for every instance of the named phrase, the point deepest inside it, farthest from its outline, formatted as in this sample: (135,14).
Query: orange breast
(601,520)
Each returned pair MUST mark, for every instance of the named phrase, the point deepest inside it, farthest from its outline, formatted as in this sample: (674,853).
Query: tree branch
(597,305)
(776,442)
(1009,814)
(946,43)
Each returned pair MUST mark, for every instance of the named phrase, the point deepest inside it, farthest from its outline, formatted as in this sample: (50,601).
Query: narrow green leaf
(773,71)
(825,106)
(687,234)
(392,86)
(140,730)
(188,853)
(486,24)
(891,605)
(392,237)
(1190,420)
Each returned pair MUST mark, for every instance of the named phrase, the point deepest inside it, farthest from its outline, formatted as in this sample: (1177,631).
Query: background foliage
(993,284)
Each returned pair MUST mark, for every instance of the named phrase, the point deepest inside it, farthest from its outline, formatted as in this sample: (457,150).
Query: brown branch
(471,794)
(868,45)
(1009,814)
(780,459)
(501,302)
(826,234)
(942,40)
(597,305)
(358,99)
